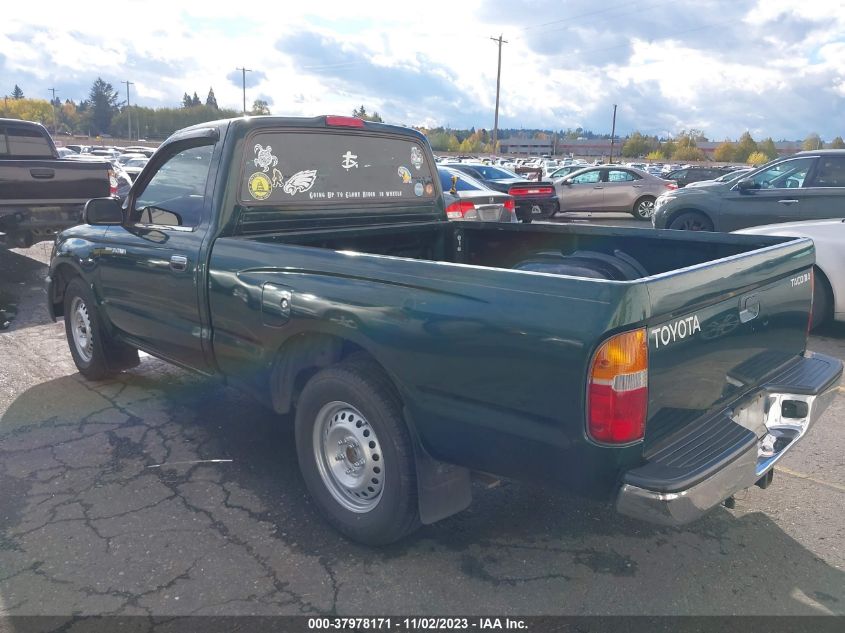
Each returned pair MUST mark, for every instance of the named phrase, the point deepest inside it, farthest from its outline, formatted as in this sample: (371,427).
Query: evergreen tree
(17,93)
(195,100)
(187,102)
(103,104)
(211,100)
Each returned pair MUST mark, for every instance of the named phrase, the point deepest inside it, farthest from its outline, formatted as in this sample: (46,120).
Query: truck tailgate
(52,182)
(720,329)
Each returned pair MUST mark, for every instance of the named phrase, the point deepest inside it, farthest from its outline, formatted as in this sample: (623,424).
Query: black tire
(822,299)
(103,356)
(527,220)
(364,387)
(691,221)
(643,208)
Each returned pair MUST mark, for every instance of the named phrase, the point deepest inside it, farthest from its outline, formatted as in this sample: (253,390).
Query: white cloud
(667,64)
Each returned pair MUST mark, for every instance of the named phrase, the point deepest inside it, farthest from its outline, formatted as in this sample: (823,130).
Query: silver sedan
(611,188)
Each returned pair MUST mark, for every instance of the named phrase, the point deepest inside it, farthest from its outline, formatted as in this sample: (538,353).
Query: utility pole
(498,84)
(53,104)
(128,111)
(612,134)
(244,71)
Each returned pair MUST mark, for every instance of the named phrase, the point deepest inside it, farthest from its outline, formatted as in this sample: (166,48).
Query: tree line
(104,113)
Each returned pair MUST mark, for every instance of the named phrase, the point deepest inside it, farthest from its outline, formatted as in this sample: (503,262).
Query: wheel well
(303,356)
(828,288)
(677,213)
(62,276)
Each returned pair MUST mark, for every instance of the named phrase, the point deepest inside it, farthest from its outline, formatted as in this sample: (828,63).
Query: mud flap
(442,489)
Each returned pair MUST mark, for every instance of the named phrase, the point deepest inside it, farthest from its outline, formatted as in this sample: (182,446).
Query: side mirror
(103,212)
(567,182)
(746,184)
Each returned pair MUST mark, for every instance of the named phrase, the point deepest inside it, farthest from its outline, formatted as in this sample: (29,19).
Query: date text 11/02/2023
(417,624)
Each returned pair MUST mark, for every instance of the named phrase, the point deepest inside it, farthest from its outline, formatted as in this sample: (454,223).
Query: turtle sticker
(300,182)
(264,157)
(416,157)
(404,174)
(259,186)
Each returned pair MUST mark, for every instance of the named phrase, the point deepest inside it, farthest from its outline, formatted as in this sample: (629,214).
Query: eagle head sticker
(300,182)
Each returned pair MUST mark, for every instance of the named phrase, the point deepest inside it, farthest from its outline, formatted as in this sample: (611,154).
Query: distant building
(526,146)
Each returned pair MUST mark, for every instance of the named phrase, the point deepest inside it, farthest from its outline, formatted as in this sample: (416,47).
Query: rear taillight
(510,205)
(531,191)
(112,183)
(671,185)
(458,210)
(617,389)
(344,121)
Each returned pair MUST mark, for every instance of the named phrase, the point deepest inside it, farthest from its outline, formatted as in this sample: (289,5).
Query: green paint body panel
(491,362)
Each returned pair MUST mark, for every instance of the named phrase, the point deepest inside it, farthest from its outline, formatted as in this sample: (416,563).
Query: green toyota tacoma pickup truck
(310,262)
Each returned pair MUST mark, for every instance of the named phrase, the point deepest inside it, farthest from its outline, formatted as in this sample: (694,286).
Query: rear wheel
(691,221)
(822,299)
(355,453)
(95,354)
(644,208)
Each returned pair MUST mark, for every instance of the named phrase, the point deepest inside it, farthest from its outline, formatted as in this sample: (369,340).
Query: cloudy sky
(775,67)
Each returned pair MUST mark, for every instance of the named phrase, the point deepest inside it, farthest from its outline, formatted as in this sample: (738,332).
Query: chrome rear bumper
(778,417)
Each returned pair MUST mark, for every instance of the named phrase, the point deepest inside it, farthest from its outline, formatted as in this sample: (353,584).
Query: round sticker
(404,174)
(418,189)
(260,186)
(429,189)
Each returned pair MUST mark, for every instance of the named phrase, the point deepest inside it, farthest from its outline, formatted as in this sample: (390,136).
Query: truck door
(152,279)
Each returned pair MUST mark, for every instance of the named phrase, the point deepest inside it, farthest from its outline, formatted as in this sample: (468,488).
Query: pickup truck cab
(310,262)
(40,194)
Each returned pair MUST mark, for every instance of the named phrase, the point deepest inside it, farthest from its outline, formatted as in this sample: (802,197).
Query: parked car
(611,188)
(829,272)
(127,156)
(534,200)
(561,172)
(413,350)
(734,174)
(473,200)
(135,166)
(140,149)
(805,186)
(40,193)
(687,175)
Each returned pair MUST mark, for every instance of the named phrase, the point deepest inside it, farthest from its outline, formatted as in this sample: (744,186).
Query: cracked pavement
(91,524)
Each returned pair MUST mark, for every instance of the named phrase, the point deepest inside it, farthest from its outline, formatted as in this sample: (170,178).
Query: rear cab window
(293,169)
(27,143)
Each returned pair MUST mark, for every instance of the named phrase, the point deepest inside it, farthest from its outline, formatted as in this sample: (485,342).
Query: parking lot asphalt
(163,493)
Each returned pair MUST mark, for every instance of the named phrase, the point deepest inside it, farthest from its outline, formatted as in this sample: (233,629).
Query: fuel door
(276,305)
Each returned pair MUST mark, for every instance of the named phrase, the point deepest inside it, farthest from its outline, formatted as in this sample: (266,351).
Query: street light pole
(612,134)
(244,71)
(128,111)
(53,104)
(498,83)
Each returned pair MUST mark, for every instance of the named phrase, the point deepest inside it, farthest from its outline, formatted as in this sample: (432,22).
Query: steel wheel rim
(348,456)
(645,209)
(83,338)
(692,225)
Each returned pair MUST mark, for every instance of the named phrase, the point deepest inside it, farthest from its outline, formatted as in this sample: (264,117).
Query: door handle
(638,186)
(788,202)
(42,172)
(750,309)
(179,263)
(598,187)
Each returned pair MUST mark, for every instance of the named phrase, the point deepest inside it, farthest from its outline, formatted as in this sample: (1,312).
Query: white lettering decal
(675,331)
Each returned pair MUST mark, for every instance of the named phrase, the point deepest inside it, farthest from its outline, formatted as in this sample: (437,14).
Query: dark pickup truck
(310,262)
(41,194)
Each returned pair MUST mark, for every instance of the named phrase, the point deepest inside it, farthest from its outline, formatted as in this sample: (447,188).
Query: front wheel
(356,454)
(95,354)
(644,208)
(691,221)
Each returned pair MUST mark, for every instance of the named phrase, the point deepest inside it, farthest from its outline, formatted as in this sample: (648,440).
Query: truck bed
(447,294)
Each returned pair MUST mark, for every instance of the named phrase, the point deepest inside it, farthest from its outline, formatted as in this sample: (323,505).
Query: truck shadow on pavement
(110,504)
(22,291)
